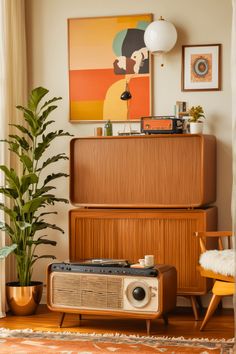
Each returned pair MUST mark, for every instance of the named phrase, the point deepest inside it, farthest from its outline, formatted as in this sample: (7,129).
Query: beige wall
(197,22)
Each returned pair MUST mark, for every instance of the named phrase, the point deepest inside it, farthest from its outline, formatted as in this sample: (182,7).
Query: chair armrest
(216,234)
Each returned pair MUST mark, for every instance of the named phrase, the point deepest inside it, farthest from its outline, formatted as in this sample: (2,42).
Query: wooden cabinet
(151,171)
(131,233)
(143,195)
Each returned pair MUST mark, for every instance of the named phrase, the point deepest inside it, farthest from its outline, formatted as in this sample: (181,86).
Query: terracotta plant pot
(24,300)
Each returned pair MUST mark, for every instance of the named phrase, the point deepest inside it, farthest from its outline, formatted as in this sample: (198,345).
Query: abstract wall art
(107,55)
(201,67)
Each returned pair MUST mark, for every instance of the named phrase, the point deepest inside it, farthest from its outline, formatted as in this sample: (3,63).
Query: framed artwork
(107,58)
(201,67)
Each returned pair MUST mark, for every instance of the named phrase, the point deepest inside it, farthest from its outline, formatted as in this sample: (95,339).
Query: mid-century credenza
(147,194)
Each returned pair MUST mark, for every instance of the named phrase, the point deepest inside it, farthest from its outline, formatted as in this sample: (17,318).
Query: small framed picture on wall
(201,67)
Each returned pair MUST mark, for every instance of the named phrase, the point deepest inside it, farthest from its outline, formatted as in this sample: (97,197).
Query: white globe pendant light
(160,36)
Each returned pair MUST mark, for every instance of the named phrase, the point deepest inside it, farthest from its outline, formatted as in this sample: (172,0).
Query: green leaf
(11,177)
(21,141)
(27,162)
(54,99)
(53,176)
(45,125)
(14,147)
(23,225)
(48,213)
(53,160)
(6,250)
(46,140)
(43,190)
(6,228)
(31,119)
(22,129)
(36,95)
(51,199)
(33,205)
(9,192)
(43,256)
(46,113)
(41,225)
(28,180)
(41,242)
(10,212)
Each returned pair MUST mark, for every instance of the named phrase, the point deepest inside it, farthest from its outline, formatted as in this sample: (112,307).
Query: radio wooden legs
(148,322)
(63,317)
(148,325)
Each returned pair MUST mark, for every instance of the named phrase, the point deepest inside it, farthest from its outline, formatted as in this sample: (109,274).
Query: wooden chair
(211,267)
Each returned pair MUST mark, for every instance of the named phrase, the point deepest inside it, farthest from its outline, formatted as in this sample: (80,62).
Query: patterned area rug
(28,341)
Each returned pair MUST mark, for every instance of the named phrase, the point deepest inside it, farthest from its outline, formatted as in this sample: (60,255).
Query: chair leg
(211,308)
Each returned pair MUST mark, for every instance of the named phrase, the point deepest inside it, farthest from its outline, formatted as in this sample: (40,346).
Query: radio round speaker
(138,293)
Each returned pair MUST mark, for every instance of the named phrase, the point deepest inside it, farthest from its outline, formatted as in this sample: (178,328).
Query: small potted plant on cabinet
(196,113)
(27,193)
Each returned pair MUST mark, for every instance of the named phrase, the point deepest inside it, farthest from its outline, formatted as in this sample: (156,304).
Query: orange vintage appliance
(161,125)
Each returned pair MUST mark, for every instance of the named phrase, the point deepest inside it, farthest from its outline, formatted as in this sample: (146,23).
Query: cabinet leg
(62,319)
(194,307)
(148,325)
(165,318)
(199,302)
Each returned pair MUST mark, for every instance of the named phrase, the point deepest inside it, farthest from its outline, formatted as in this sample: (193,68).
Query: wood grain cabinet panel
(151,171)
(132,233)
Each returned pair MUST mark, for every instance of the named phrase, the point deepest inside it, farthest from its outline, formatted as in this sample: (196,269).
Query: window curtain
(233,86)
(13,91)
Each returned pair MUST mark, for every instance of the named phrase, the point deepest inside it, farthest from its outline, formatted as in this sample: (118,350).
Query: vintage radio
(161,125)
(115,290)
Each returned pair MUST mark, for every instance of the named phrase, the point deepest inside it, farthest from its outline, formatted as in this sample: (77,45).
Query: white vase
(196,127)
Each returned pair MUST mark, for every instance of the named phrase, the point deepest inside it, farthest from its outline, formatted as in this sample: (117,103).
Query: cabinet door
(130,234)
(156,171)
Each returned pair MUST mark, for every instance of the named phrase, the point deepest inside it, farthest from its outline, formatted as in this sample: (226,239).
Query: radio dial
(139,293)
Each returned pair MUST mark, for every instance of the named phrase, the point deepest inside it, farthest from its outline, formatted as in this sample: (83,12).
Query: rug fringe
(116,335)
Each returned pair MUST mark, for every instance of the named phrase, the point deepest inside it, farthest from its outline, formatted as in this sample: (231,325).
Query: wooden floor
(181,323)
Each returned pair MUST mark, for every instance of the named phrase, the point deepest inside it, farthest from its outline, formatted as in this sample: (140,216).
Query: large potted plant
(27,194)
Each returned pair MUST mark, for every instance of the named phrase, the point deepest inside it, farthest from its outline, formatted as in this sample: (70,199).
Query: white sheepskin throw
(222,262)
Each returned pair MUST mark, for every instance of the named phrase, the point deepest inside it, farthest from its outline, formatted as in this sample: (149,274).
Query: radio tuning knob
(139,293)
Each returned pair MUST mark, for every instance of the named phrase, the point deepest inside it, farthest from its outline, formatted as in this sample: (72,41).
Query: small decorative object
(149,260)
(201,67)
(29,193)
(108,128)
(196,114)
(98,131)
(180,108)
(126,95)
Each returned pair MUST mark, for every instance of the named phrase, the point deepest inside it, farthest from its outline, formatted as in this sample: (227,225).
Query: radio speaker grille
(88,291)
